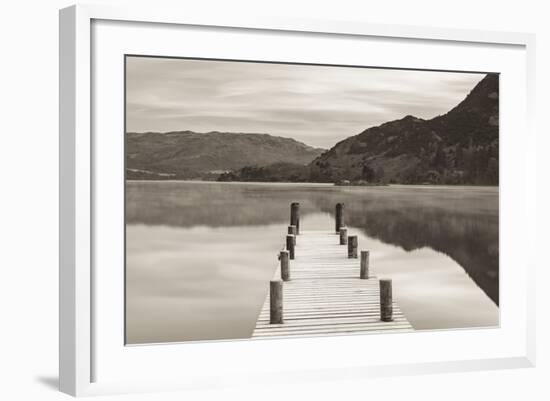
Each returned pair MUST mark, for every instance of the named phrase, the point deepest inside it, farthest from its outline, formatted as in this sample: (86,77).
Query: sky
(316,105)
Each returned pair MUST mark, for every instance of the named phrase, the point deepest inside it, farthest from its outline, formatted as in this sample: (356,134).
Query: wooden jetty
(321,287)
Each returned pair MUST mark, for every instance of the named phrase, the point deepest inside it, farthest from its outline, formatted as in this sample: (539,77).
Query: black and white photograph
(276,200)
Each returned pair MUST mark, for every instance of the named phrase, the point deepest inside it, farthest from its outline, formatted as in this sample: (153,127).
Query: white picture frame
(77,368)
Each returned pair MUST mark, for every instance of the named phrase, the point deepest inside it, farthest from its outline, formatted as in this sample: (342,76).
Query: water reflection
(196,283)
(461,222)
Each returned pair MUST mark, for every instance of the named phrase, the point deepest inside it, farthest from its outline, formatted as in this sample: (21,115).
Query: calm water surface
(200,255)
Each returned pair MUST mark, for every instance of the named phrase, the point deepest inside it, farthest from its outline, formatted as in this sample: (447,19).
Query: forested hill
(459,147)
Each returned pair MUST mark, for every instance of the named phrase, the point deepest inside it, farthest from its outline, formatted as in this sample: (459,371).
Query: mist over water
(200,254)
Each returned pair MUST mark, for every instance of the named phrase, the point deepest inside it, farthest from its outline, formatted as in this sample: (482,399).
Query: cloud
(317,105)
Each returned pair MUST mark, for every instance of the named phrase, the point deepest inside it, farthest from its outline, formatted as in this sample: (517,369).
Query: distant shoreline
(239,182)
(322,184)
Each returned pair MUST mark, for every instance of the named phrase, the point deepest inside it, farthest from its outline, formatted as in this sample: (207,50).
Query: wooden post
(352,246)
(292,231)
(339,216)
(386,306)
(275,302)
(364,265)
(343,235)
(295,216)
(290,245)
(285,272)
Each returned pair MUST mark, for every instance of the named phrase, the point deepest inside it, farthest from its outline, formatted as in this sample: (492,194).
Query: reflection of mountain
(460,222)
(188,204)
(468,237)
(187,154)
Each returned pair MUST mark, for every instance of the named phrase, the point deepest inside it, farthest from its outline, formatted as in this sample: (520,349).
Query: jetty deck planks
(325,295)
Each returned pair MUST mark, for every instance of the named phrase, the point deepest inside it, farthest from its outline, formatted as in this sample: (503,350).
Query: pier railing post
(386,305)
(295,216)
(292,231)
(352,246)
(290,245)
(343,236)
(364,265)
(285,272)
(339,216)
(275,302)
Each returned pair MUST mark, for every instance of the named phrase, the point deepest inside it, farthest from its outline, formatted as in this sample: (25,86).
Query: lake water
(200,254)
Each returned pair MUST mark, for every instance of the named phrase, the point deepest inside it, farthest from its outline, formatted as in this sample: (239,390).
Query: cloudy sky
(316,105)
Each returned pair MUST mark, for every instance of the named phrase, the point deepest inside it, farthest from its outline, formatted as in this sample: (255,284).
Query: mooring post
(386,306)
(352,246)
(285,272)
(275,302)
(290,245)
(364,265)
(339,216)
(343,235)
(295,216)
(292,231)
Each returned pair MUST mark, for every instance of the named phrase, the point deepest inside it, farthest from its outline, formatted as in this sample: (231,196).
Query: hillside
(187,154)
(460,147)
(276,172)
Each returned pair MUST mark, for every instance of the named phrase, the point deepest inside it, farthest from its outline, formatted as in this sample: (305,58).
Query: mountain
(187,154)
(459,147)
